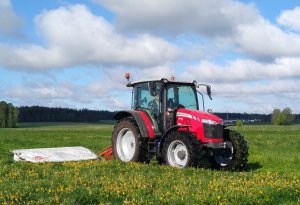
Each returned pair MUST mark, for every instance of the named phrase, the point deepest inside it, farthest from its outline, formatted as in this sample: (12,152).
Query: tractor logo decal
(181,114)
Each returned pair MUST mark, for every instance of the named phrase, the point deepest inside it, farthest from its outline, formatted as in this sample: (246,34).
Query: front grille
(213,131)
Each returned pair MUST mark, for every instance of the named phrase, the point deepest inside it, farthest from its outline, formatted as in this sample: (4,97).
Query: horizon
(78,109)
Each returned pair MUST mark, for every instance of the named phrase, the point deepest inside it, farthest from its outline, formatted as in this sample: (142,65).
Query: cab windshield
(181,96)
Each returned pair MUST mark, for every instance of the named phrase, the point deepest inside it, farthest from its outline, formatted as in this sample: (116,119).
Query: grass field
(273,175)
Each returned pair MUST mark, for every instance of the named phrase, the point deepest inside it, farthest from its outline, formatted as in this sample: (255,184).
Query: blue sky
(74,54)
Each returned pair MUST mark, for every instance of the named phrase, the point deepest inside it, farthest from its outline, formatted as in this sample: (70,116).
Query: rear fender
(141,119)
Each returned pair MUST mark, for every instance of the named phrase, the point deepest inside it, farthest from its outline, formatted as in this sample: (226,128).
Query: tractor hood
(200,116)
(207,127)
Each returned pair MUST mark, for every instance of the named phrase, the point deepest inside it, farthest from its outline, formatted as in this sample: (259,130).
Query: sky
(74,54)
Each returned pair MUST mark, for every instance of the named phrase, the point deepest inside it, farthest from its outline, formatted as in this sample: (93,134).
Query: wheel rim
(223,157)
(177,154)
(126,144)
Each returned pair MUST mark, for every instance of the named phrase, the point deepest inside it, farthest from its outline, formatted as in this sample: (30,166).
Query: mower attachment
(106,153)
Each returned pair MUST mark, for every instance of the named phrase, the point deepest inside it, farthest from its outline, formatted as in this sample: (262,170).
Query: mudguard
(141,119)
(171,129)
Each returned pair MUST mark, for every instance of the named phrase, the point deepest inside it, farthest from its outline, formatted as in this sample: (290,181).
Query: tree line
(47,114)
(247,117)
(8,115)
(277,117)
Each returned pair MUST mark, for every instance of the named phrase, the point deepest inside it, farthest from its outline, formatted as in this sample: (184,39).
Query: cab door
(150,103)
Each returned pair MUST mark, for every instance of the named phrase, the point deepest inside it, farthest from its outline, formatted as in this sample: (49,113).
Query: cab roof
(164,80)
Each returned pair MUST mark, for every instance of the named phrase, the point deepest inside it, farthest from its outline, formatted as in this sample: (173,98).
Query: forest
(10,115)
(47,114)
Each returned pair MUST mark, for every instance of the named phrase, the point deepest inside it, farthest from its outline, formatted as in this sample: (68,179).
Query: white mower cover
(59,154)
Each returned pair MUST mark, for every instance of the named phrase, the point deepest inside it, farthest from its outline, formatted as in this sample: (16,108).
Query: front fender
(171,129)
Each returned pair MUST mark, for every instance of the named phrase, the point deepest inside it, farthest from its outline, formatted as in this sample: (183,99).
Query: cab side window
(171,103)
(144,100)
(143,96)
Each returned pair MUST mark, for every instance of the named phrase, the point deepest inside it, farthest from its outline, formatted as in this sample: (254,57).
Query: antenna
(137,74)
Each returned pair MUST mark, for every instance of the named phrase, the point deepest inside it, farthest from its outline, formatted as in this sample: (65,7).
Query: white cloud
(250,86)
(75,36)
(98,88)
(239,25)
(244,70)
(214,17)
(252,103)
(39,91)
(256,97)
(9,21)
(157,72)
(114,103)
(276,87)
(47,92)
(114,82)
(263,40)
(53,92)
(290,18)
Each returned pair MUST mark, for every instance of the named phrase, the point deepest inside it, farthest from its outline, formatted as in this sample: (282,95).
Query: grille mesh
(213,131)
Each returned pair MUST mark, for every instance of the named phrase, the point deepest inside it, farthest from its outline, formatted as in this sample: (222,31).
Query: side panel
(147,123)
(141,119)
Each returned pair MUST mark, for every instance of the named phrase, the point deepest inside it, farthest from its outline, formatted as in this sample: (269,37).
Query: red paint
(106,153)
(205,140)
(39,158)
(148,124)
(193,118)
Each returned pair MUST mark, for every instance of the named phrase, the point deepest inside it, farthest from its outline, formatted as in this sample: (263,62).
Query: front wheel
(181,149)
(234,158)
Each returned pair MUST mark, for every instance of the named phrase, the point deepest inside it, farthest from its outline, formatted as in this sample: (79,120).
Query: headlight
(210,122)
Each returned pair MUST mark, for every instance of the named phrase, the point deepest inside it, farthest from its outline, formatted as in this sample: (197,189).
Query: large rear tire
(182,149)
(233,159)
(128,146)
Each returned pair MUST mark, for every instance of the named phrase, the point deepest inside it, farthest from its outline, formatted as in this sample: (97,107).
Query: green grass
(274,148)
(273,175)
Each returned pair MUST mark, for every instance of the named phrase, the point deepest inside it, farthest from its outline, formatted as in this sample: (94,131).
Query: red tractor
(165,122)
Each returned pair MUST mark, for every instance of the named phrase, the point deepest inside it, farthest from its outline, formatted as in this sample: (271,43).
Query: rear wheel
(234,158)
(127,143)
(182,149)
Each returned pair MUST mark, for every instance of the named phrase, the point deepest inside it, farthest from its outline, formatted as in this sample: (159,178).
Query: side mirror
(208,90)
(152,88)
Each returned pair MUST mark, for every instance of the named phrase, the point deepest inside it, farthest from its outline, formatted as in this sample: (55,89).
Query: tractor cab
(161,99)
